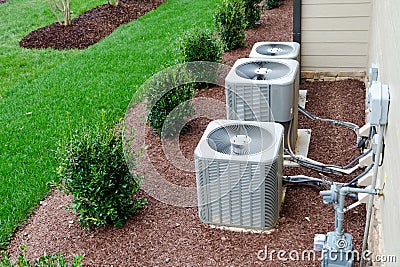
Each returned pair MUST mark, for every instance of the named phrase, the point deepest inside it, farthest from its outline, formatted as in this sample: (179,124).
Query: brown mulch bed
(89,27)
(162,234)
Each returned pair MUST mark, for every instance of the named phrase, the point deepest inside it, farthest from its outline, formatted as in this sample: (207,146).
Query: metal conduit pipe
(373,185)
(340,211)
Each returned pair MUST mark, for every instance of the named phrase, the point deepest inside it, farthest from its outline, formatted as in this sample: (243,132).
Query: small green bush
(200,46)
(92,168)
(230,20)
(44,261)
(270,4)
(253,12)
(168,96)
(197,44)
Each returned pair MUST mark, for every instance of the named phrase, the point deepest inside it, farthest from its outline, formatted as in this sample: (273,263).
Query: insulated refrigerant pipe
(373,184)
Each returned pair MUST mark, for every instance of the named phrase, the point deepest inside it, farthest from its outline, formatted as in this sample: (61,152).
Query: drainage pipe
(373,185)
(297,21)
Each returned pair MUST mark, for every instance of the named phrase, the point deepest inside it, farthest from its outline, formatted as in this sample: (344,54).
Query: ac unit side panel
(241,197)
(282,99)
(271,198)
(248,103)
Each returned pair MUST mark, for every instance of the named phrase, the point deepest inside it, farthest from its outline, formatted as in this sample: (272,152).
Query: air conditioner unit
(264,90)
(239,174)
(271,50)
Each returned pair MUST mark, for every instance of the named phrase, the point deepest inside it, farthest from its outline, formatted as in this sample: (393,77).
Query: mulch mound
(89,27)
(161,234)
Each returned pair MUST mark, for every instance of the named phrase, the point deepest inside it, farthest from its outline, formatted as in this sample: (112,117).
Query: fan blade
(220,139)
(278,70)
(248,71)
(274,49)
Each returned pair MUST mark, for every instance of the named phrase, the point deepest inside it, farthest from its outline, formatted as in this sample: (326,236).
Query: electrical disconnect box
(378,98)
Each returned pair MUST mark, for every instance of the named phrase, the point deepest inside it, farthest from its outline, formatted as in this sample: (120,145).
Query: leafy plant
(199,44)
(253,11)
(44,261)
(168,96)
(230,20)
(270,4)
(202,47)
(61,10)
(20,68)
(92,168)
(113,2)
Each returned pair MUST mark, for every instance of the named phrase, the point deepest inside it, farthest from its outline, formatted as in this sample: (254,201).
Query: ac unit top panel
(226,139)
(252,71)
(284,50)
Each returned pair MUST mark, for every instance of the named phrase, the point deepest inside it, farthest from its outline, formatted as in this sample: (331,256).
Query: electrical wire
(358,177)
(350,125)
(302,179)
(304,163)
(312,164)
(353,161)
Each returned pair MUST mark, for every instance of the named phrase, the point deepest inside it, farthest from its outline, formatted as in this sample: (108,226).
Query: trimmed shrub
(168,96)
(270,4)
(92,168)
(200,46)
(45,260)
(230,20)
(253,12)
(197,44)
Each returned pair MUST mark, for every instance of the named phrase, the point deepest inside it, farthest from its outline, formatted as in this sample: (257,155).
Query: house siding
(335,35)
(384,51)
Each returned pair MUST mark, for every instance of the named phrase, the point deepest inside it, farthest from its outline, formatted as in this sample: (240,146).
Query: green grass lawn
(39,87)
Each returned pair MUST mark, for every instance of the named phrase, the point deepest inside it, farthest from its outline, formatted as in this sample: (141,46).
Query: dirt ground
(89,27)
(166,235)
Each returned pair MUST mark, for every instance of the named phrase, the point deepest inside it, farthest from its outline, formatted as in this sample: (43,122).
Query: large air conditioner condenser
(239,173)
(264,90)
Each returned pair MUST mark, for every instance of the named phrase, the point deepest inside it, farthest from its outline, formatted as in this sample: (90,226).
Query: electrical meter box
(338,252)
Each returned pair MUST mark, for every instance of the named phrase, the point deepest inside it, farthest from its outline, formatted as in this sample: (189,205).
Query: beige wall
(384,50)
(334,35)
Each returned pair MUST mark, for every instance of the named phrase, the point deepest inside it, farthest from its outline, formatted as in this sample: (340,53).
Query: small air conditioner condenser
(239,173)
(264,90)
(276,50)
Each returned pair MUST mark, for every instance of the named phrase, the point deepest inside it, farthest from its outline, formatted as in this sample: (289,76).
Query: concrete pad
(302,145)
(302,98)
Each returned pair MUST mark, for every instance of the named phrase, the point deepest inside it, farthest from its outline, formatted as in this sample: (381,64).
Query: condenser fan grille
(263,70)
(274,49)
(240,139)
